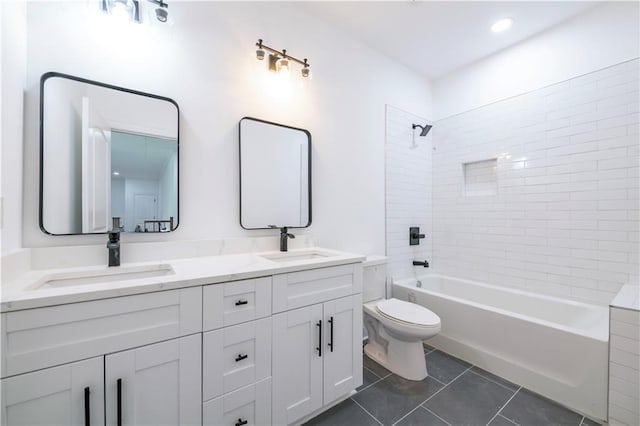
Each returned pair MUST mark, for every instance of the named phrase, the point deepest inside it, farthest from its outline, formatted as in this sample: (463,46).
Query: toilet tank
(374,277)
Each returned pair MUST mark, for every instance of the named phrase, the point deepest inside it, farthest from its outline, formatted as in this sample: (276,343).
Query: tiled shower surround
(564,219)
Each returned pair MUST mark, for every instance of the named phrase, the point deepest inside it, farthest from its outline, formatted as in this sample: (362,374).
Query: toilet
(396,328)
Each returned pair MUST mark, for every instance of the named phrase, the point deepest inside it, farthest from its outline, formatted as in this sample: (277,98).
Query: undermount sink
(103,275)
(283,257)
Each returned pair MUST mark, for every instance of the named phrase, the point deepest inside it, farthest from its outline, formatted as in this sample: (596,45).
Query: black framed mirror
(275,175)
(109,158)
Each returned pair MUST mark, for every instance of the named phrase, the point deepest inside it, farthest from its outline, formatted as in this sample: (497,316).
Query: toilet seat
(408,313)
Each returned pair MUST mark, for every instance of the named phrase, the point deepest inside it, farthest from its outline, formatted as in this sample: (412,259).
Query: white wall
(603,36)
(206,62)
(565,218)
(408,192)
(13,62)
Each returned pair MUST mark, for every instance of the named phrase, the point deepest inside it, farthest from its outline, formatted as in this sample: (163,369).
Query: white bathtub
(554,347)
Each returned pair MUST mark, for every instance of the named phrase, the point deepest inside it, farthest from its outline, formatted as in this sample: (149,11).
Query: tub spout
(421,263)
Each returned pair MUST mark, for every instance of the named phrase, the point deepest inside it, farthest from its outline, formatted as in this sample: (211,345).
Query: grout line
(493,381)
(370,371)
(505,404)
(406,415)
(507,419)
(365,410)
(442,388)
(371,384)
(425,408)
(438,391)
(441,382)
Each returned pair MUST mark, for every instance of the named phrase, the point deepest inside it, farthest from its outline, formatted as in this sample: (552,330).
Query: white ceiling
(435,38)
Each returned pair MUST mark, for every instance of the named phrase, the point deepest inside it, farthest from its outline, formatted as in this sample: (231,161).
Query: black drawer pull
(119,409)
(331,334)
(241,357)
(241,302)
(319,348)
(87,415)
(241,422)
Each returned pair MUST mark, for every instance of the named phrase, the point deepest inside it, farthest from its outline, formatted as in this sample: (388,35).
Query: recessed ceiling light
(116,173)
(502,25)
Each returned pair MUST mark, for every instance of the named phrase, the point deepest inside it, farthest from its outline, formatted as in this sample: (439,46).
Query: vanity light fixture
(280,61)
(130,9)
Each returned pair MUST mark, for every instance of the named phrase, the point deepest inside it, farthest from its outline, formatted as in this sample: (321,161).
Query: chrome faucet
(113,245)
(421,263)
(284,237)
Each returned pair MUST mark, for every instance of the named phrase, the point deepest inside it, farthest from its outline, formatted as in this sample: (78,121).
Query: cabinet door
(343,346)
(159,384)
(297,364)
(65,395)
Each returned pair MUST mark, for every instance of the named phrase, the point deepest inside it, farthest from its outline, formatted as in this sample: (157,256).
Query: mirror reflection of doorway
(145,207)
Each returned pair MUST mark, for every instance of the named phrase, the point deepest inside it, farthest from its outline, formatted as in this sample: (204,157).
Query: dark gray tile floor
(455,393)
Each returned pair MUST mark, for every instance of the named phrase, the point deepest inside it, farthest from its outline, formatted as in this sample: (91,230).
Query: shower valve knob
(415,236)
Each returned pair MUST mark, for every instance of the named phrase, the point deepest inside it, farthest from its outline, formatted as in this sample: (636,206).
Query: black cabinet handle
(241,302)
(119,408)
(331,333)
(319,348)
(87,414)
(241,422)
(241,357)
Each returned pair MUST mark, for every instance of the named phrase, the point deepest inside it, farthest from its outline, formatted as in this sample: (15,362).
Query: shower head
(424,129)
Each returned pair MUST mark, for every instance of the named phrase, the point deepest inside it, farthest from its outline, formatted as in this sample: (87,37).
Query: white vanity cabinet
(317,349)
(260,351)
(70,394)
(157,384)
(50,355)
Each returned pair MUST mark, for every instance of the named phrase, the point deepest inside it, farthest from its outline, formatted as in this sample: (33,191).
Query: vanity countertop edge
(18,294)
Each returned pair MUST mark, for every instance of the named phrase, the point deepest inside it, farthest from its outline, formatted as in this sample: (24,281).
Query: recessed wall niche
(480,178)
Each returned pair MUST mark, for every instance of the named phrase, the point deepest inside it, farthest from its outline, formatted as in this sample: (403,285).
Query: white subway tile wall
(408,192)
(564,220)
(624,358)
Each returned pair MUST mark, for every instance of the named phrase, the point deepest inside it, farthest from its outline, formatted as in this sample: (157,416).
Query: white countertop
(627,298)
(24,291)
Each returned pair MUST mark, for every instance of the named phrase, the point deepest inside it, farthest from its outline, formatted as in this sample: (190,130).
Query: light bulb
(502,25)
(283,67)
(122,9)
(162,14)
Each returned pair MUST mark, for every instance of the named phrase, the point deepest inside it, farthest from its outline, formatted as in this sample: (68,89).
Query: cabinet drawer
(236,356)
(251,404)
(37,338)
(236,302)
(298,289)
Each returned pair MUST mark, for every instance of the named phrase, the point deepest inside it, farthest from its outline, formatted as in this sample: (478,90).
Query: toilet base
(406,359)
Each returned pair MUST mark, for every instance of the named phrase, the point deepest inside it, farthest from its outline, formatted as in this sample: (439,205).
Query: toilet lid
(408,312)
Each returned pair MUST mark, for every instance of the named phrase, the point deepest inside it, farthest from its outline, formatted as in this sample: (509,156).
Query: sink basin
(283,257)
(103,275)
